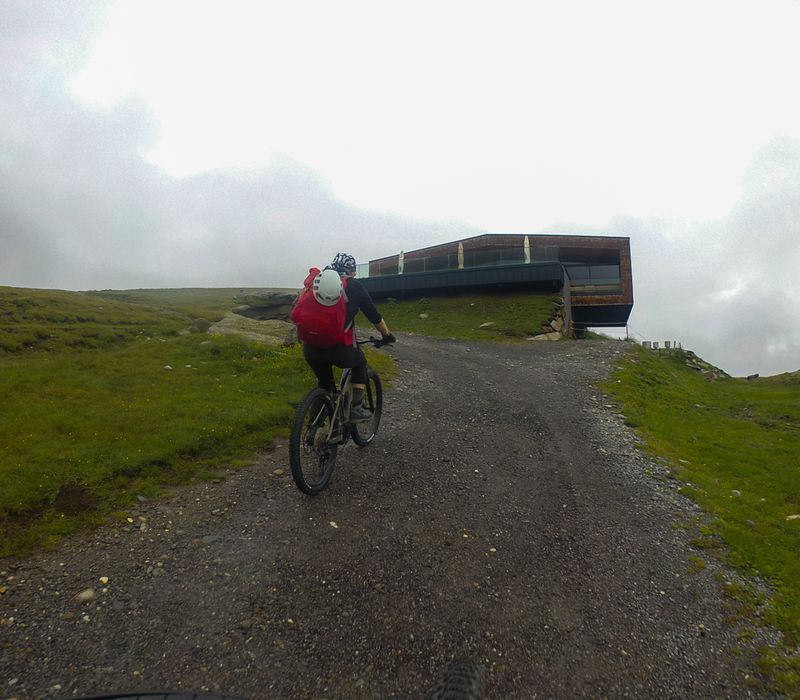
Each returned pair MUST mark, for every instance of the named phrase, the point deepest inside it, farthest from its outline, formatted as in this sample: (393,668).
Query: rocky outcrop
(269,331)
(262,317)
(263,306)
(691,360)
(708,370)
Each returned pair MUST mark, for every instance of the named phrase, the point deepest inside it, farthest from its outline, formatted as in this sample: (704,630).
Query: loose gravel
(504,514)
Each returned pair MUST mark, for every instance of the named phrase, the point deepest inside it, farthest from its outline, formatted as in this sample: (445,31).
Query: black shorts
(322,360)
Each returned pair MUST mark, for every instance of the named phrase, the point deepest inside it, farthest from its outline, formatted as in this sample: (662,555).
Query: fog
(82,207)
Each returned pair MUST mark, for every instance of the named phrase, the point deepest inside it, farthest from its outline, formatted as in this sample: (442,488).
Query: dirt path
(503,514)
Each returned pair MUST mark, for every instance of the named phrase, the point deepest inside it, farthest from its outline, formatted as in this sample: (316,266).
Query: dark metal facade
(547,276)
(595,269)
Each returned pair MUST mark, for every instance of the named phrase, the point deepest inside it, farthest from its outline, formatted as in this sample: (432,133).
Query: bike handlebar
(372,340)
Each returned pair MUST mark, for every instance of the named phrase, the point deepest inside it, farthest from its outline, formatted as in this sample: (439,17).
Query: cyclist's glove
(388,339)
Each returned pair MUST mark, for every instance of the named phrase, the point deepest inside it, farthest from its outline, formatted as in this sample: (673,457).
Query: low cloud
(82,208)
(727,289)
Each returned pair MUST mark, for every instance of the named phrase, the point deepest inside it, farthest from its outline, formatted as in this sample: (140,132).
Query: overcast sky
(200,143)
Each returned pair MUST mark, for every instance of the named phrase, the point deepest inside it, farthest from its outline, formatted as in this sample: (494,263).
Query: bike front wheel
(461,680)
(364,433)
(312,455)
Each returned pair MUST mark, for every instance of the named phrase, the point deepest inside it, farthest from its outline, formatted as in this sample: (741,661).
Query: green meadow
(735,446)
(194,302)
(110,394)
(515,316)
(103,399)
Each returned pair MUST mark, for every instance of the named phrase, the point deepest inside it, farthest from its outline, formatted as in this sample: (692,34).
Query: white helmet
(327,287)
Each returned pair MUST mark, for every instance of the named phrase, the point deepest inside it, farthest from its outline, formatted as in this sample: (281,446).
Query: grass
(43,320)
(195,303)
(90,415)
(514,316)
(735,444)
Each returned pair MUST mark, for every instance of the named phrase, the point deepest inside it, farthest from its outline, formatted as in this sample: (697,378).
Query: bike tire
(461,680)
(311,457)
(364,433)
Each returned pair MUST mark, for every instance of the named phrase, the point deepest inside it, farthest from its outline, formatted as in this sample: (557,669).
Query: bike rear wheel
(311,455)
(364,433)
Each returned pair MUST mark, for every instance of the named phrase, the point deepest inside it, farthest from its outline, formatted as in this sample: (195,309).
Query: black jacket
(358,299)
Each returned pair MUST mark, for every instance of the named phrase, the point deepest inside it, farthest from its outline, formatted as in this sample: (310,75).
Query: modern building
(593,273)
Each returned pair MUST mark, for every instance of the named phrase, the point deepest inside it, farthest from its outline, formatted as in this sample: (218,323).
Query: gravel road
(503,514)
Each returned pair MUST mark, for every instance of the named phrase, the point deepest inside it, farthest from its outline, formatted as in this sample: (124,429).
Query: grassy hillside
(54,320)
(196,303)
(514,316)
(105,395)
(102,399)
(735,444)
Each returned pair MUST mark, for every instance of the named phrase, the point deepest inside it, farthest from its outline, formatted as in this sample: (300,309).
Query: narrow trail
(503,514)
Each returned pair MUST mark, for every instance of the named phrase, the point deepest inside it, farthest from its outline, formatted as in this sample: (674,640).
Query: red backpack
(318,325)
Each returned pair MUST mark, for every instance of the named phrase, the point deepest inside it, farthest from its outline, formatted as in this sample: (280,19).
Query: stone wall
(558,326)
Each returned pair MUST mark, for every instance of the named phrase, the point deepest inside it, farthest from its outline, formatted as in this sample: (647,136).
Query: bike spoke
(311,453)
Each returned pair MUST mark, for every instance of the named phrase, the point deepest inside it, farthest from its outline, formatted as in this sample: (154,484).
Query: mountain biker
(321,360)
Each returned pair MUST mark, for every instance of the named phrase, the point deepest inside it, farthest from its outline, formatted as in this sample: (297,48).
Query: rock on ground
(270,332)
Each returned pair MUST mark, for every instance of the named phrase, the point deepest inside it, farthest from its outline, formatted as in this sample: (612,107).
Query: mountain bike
(322,425)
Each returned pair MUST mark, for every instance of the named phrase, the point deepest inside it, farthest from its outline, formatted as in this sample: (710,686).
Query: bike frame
(344,391)
(313,445)
(338,421)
